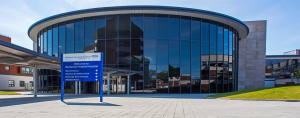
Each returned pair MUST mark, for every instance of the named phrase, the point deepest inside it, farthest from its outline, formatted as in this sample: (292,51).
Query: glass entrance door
(113,85)
(118,85)
(121,83)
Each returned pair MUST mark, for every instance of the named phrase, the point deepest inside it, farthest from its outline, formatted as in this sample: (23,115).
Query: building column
(39,82)
(128,86)
(108,84)
(76,88)
(35,80)
(79,87)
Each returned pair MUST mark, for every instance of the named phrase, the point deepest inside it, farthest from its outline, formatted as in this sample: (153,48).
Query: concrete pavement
(143,105)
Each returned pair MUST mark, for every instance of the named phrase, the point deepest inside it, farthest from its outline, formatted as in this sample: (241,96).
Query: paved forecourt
(142,105)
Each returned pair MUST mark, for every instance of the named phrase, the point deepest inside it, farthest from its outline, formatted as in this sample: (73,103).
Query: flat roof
(237,24)
(282,56)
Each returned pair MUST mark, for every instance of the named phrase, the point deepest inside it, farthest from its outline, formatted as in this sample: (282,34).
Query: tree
(297,75)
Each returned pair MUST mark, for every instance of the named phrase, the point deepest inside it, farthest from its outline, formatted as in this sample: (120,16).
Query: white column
(76,87)
(35,80)
(108,84)
(79,87)
(128,86)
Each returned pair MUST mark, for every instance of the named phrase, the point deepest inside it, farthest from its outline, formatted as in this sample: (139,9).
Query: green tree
(297,74)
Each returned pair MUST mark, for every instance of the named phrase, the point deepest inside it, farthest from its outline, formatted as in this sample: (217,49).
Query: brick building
(14,77)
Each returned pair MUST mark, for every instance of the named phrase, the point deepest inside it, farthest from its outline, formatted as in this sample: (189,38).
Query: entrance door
(90,87)
(121,83)
(117,85)
(113,85)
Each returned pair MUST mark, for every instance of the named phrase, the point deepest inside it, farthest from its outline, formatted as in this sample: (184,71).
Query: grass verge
(8,93)
(276,93)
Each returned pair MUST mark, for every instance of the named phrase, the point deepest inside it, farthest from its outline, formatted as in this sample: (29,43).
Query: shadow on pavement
(49,97)
(92,104)
(27,100)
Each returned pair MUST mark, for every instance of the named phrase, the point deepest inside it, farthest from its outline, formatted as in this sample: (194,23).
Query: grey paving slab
(142,106)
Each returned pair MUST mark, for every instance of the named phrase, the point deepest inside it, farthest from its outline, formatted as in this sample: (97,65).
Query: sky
(283,24)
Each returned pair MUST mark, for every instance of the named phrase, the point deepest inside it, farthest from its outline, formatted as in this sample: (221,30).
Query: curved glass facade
(177,54)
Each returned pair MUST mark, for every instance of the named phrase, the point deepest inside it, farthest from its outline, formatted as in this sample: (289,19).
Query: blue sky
(283,25)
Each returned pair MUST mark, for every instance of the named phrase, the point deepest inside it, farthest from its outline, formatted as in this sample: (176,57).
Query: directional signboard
(82,67)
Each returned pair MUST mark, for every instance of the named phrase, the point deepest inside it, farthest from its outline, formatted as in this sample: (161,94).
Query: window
(27,70)
(7,68)
(31,82)
(11,83)
(137,21)
(22,84)
(23,70)
(62,37)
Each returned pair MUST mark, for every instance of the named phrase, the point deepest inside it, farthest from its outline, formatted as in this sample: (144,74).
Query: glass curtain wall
(281,68)
(195,55)
(177,54)
(49,81)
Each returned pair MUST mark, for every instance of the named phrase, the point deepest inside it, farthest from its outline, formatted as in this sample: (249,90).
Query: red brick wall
(13,70)
(4,38)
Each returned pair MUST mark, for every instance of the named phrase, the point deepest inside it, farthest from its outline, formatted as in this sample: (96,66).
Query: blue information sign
(82,67)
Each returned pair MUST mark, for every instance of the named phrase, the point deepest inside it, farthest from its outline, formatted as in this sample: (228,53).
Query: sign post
(82,67)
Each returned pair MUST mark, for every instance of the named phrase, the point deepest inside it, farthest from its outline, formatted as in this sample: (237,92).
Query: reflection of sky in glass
(195,30)
(160,41)
(55,36)
(149,27)
(138,21)
(173,28)
(50,37)
(213,39)
(162,27)
(185,69)
(174,52)
(230,38)
(150,51)
(162,51)
(185,53)
(185,29)
(226,41)
(70,32)
(195,53)
(89,30)
(79,31)
(204,38)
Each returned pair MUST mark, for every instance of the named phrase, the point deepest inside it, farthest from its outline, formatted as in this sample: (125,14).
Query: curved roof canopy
(240,26)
